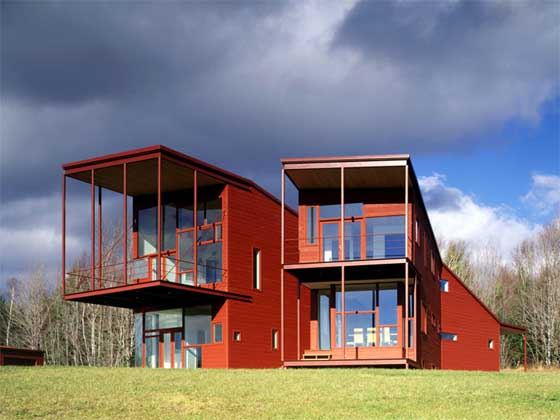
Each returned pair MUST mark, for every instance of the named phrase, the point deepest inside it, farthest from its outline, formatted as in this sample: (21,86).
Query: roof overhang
(511,329)
(154,293)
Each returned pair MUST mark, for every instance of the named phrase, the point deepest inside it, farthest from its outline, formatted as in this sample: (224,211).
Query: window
(236,336)
(169,226)
(197,325)
(147,231)
(324,319)
(330,241)
(138,338)
(169,318)
(352,236)
(218,333)
(444,285)
(330,211)
(491,344)
(448,336)
(353,210)
(311,224)
(417,232)
(385,237)
(274,339)
(257,268)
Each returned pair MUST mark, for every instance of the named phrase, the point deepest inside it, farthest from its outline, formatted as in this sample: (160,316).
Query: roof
(211,169)
(336,159)
(505,328)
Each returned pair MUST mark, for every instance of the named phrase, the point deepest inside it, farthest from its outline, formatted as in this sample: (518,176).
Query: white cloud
(456,215)
(544,195)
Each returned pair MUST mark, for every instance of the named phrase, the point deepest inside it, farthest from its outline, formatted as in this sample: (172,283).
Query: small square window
(217,333)
(448,336)
(236,336)
(444,285)
(274,339)
(257,269)
(491,344)
(417,232)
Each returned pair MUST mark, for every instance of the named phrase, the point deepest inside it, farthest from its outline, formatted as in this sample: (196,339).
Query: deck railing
(142,270)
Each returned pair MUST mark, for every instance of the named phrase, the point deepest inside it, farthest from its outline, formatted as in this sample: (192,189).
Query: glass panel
(330,211)
(387,304)
(256,268)
(186,253)
(214,211)
(358,298)
(169,273)
(138,334)
(206,234)
(385,237)
(152,351)
(177,338)
(197,325)
(330,241)
(387,336)
(410,332)
(169,226)
(324,320)
(338,330)
(167,350)
(311,224)
(352,210)
(217,333)
(147,230)
(186,216)
(209,262)
(169,318)
(193,357)
(411,303)
(360,330)
(352,232)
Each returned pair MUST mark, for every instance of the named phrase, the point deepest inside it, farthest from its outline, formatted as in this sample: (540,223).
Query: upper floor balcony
(351,210)
(144,227)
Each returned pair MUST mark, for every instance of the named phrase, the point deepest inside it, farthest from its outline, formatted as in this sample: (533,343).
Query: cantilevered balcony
(144,227)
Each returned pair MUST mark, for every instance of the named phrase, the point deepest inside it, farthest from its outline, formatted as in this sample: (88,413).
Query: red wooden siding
(254,222)
(464,315)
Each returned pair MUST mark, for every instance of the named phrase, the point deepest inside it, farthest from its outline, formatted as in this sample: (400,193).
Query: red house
(220,273)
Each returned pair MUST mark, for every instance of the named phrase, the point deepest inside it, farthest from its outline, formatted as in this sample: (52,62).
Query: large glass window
(147,230)
(324,320)
(388,315)
(138,338)
(169,226)
(385,237)
(352,236)
(330,241)
(330,211)
(197,325)
(209,211)
(209,263)
(152,351)
(360,312)
(169,318)
(186,257)
(352,210)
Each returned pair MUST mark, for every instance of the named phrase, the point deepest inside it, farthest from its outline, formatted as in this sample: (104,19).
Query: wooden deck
(403,363)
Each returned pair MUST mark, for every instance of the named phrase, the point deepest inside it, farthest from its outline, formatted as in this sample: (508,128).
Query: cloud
(456,215)
(544,195)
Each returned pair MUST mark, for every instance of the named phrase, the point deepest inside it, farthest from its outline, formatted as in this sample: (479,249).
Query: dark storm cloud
(241,84)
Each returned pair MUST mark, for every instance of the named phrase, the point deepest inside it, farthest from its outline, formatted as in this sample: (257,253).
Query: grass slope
(323,393)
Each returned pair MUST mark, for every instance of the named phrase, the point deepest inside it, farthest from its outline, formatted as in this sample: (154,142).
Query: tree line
(523,290)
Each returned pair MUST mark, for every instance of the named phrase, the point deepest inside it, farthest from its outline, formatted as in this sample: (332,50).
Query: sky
(471,89)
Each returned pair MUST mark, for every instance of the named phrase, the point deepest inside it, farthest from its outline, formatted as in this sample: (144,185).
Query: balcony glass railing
(142,270)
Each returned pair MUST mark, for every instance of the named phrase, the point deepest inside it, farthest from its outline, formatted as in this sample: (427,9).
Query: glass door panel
(324,320)
(331,241)
(177,339)
(152,351)
(193,357)
(166,339)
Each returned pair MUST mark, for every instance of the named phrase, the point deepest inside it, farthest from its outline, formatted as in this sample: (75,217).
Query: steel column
(158,262)
(405,330)
(342,257)
(298,319)
(195,227)
(125,227)
(92,257)
(406,210)
(282,204)
(63,271)
(100,236)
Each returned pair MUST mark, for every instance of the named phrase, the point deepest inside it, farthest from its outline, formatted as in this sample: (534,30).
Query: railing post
(405,331)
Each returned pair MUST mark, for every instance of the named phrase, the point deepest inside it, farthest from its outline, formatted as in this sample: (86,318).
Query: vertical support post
(282,222)
(158,262)
(195,227)
(100,237)
(525,352)
(342,257)
(125,227)
(92,258)
(298,319)
(415,325)
(63,268)
(406,210)
(405,330)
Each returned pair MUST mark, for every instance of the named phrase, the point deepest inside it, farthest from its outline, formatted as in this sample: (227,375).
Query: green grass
(323,393)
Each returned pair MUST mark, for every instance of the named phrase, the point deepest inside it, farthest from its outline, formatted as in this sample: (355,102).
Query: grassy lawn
(323,393)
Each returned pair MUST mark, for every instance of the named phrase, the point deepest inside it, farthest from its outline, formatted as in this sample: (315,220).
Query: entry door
(170,343)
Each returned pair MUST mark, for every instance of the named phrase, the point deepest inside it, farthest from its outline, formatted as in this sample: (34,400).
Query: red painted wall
(254,222)
(464,315)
